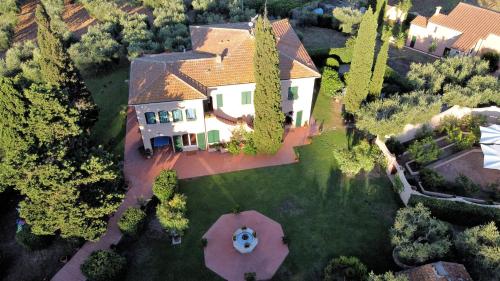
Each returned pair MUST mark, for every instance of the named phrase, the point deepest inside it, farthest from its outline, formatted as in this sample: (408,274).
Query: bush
(398,184)
(388,276)
(346,269)
(480,248)
(171,214)
(361,157)
(234,147)
(400,40)
(30,241)
(249,148)
(104,266)
(424,151)
(467,184)
(330,82)
(332,62)
(418,237)
(132,221)
(395,146)
(136,35)
(431,179)
(492,58)
(344,54)
(175,37)
(165,185)
(457,212)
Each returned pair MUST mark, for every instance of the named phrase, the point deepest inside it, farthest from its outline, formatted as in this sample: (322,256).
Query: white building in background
(466,30)
(193,99)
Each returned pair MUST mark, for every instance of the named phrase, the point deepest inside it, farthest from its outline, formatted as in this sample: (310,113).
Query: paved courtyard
(222,258)
(469,163)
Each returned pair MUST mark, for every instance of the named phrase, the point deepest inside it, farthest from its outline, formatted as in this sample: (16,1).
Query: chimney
(218,58)
(438,9)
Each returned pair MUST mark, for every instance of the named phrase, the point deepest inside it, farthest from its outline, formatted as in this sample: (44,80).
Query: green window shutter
(293,93)
(213,136)
(178,143)
(200,139)
(246,97)
(220,102)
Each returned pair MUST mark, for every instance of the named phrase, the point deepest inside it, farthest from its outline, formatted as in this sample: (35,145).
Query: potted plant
(223,148)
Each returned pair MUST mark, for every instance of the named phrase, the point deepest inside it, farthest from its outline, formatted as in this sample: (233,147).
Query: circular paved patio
(222,258)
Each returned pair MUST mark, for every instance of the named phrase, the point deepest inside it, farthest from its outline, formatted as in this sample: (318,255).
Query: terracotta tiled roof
(473,22)
(222,55)
(420,21)
(438,271)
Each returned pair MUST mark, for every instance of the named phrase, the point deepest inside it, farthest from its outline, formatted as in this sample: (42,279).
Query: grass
(324,214)
(110,93)
(321,38)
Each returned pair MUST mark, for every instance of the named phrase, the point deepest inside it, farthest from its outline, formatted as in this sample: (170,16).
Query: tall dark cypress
(59,71)
(269,118)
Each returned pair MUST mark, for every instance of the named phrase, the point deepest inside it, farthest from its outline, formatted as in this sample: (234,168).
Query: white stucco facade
(228,105)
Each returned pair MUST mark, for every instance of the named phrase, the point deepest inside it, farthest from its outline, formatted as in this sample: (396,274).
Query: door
(446,52)
(413,40)
(202,144)
(298,119)
(178,143)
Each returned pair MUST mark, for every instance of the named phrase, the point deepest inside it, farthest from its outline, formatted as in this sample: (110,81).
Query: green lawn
(323,213)
(110,93)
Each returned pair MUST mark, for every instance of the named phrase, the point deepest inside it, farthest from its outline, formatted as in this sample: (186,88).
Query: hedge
(344,54)
(132,221)
(457,212)
(104,265)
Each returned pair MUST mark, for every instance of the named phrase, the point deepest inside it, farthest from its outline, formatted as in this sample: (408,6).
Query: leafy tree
(54,9)
(104,265)
(418,237)
(388,276)
(346,269)
(458,70)
(358,79)
(103,10)
(136,36)
(480,247)
(132,221)
(377,80)
(269,118)
(8,13)
(479,90)
(30,241)
(167,11)
(58,70)
(171,214)
(97,48)
(165,184)
(388,116)
(175,37)
(361,157)
(404,5)
(349,18)
(424,151)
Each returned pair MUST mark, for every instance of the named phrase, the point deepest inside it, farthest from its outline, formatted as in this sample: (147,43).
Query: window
(164,117)
(293,93)
(220,102)
(150,117)
(213,136)
(191,114)
(177,115)
(246,97)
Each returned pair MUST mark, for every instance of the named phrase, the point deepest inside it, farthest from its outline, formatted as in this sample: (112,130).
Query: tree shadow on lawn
(323,213)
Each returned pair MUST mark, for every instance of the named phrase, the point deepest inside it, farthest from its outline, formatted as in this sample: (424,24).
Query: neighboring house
(466,30)
(197,98)
(438,271)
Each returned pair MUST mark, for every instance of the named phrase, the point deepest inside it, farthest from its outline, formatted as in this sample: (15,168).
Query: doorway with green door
(298,119)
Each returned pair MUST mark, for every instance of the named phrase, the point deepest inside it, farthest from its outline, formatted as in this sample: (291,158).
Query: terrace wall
(395,170)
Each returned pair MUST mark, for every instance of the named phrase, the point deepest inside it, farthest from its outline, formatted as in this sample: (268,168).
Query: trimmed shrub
(344,54)
(345,268)
(395,146)
(330,82)
(165,185)
(234,147)
(30,241)
(104,266)
(424,151)
(171,214)
(132,221)
(457,212)
(332,62)
(431,178)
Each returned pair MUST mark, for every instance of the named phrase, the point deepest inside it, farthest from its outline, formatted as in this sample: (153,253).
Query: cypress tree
(58,70)
(358,78)
(380,65)
(268,122)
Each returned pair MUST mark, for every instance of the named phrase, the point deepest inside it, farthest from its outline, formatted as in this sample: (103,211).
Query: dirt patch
(318,37)
(401,59)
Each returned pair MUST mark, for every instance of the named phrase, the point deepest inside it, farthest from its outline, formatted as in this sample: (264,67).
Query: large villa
(195,99)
